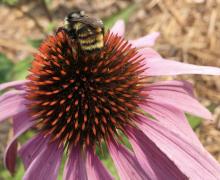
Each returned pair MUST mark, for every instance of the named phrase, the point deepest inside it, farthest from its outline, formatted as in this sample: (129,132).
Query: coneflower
(77,101)
(82,99)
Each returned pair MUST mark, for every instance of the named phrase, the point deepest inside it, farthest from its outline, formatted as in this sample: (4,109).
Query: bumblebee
(87,31)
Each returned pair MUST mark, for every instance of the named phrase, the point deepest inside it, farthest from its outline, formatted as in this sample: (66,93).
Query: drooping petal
(172,118)
(21,123)
(155,163)
(11,103)
(95,168)
(10,156)
(194,162)
(118,28)
(146,41)
(10,94)
(176,94)
(157,66)
(46,164)
(14,84)
(31,149)
(75,167)
(125,162)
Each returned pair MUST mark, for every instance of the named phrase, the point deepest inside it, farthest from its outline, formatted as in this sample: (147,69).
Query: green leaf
(109,164)
(194,121)
(4,173)
(6,66)
(48,2)
(50,27)
(123,14)
(20,69)
(10,2)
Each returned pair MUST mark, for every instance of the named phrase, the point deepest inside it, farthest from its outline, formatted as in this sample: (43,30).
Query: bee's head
(77,13)
(73,16)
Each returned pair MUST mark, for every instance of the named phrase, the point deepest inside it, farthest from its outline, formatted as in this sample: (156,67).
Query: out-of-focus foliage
(35,42)
(20,70)
(194,121)
(10,2)
(123,14)
(5,175)
(48,2)
(50,27)
(6,67)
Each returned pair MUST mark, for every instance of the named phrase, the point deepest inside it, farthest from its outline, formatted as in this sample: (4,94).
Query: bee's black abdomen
(89,42)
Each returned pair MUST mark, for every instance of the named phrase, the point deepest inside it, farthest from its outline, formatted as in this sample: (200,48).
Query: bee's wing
(88,21)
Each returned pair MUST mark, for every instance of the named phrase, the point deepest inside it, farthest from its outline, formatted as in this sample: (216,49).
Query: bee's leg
(61,29)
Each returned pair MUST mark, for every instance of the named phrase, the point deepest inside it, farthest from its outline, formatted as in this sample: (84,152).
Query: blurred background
(190,32)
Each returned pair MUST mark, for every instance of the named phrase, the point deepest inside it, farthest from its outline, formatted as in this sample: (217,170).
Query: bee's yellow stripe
(87,41)
(77,26)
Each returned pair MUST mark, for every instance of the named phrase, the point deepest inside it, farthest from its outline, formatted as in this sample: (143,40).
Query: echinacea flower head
(77,100)
(83,98)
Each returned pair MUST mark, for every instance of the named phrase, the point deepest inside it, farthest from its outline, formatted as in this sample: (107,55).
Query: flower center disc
(83,98)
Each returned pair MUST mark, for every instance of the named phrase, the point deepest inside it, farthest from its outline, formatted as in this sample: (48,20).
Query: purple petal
(176,85)
(146,41)
(176,94)
(14,84)
(149,53)
(95,168)
(11,104)
(194,162)
(75,167)
(46,164)
(21,123)
(10,95)
(173,119)
(10,156)
(155,163)
(125,162)
(118,28)
(157,66)
(31,149)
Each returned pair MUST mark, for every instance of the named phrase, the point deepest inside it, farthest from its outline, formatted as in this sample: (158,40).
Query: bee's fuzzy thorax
(87,31)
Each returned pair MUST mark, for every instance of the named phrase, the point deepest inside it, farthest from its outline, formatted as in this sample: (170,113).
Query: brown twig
(46,9)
